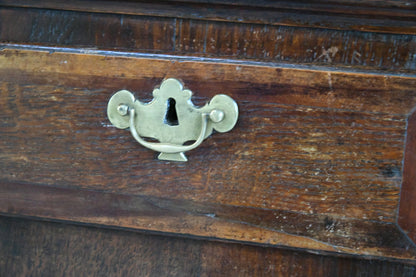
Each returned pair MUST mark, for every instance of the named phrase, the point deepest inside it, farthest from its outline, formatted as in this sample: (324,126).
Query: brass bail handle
(171,118)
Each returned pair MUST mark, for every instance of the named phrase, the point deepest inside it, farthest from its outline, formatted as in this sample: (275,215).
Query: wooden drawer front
(315,160)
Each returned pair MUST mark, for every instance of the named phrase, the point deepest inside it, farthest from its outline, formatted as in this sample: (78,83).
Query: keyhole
(171,117)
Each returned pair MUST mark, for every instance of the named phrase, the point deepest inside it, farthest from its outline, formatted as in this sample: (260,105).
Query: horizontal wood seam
(180,58)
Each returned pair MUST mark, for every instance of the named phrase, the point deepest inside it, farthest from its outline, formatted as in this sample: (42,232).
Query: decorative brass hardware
(171,118)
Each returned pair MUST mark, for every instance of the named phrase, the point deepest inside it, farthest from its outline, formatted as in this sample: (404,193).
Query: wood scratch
(328,54)
(330,81)
(356,57)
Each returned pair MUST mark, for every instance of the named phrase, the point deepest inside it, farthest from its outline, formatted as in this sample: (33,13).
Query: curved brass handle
(170,148)
(147,120)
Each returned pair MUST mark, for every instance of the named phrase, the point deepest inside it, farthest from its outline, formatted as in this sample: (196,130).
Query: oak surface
(326,234)
(325,144)
(383,16)
(319,162)
(407,211)
(33,248)
(363,50)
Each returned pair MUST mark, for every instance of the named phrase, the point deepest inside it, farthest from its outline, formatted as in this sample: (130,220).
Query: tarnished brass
(171,118)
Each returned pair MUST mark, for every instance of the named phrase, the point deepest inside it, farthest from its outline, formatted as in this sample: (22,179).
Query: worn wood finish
(407,214)
(31,248)
(384,17)
(378,5)
(210,221)
(317,147)
(335,132)
(228,40)
(325,139)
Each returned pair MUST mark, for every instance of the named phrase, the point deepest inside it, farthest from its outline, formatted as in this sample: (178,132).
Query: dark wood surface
(324,234)
(383,16)
(309,142)
(324,141)
(407,214)
(366,50)
(32,248)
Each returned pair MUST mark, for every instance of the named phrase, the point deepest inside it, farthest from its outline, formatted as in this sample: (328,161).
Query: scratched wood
(33,248)
(313,4)
(325,144)
(382,16)
(407,216)
(323,233)
(206,38)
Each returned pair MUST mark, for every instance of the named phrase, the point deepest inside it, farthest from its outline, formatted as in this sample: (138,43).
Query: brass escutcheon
(171,118)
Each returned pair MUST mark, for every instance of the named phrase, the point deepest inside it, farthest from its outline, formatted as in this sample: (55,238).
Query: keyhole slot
(171,117)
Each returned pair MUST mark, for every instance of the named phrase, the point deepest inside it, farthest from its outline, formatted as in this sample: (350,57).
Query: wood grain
(380,17)
(203,38)
(32,248)
(313,4)
(407,212)
(318,147)
(325,234)
(325,139)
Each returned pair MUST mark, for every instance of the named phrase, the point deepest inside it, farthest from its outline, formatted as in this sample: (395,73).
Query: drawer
(316,160)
